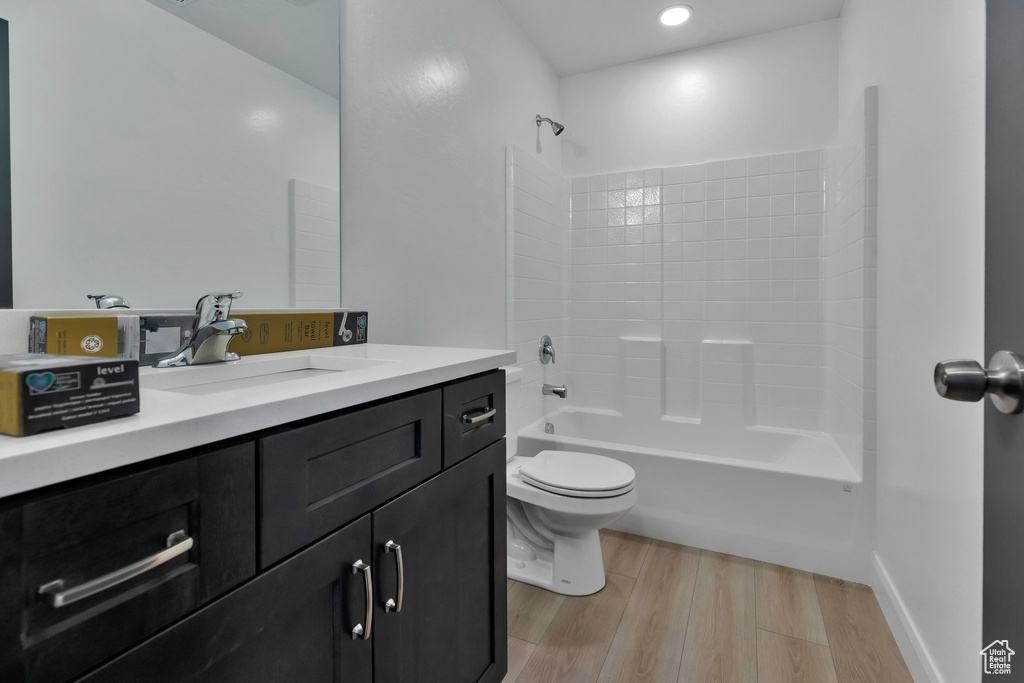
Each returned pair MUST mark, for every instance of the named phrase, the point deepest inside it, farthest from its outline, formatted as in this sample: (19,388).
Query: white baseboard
(915,654)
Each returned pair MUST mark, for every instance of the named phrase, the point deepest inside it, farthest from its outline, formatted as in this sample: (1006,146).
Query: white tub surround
(172,420)
(720,340)
(537,283)
(695,290)
(776,495)
(849,248)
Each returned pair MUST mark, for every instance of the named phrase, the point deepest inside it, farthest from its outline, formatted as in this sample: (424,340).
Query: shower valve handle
(547,350)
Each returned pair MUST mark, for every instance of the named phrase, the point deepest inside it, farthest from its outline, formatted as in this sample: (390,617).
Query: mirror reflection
(167,148)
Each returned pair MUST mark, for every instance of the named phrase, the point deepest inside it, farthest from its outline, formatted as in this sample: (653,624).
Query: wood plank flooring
(649,641)
(674,614)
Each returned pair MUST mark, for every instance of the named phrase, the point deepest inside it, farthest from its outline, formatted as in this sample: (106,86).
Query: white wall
(771,93)
(432,92)
(151,159)
(928,59)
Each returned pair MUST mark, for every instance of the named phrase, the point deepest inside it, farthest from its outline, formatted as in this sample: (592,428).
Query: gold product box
(41,392)
(100,336)
(277,331)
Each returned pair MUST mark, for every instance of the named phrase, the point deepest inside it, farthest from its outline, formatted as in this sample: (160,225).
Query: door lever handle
(966,380)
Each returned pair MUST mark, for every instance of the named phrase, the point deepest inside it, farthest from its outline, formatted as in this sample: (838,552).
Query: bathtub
(783,496)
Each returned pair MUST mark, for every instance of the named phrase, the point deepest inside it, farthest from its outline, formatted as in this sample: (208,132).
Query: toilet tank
(513,380)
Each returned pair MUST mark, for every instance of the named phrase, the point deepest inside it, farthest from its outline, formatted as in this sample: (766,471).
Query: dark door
(450,531)
(1003,606)
(295,623)
(6,255)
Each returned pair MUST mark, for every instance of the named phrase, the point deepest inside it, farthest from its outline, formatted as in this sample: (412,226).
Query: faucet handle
(215,306)
(547,350)
(109,300)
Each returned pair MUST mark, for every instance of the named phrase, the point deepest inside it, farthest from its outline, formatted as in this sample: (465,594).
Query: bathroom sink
(248,373)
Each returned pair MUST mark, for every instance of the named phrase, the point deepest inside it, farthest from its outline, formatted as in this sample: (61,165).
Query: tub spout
(552,390)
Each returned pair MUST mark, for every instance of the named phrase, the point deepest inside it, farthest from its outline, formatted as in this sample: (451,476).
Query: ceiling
(299,37)
(584,35)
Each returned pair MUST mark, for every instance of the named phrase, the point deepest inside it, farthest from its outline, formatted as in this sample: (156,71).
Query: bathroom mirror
(162,149)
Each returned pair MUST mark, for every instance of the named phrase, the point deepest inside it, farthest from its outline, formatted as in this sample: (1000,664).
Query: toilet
(557,501)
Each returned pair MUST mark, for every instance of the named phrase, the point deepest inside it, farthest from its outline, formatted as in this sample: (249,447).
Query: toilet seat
(580,475)
(579,494)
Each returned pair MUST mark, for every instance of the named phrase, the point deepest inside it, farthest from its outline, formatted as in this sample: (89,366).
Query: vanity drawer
(317,478)
(88,572)
(474,415)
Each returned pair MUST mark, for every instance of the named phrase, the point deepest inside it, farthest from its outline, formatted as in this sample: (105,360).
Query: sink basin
(250,372)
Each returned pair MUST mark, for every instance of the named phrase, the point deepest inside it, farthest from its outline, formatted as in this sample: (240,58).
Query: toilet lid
(577,472)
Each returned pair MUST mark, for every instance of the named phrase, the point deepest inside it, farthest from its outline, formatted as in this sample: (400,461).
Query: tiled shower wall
(686,258)
(726,291)
(849,295)
(537,274)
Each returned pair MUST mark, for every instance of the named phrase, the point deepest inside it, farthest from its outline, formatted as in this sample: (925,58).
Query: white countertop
(171,421)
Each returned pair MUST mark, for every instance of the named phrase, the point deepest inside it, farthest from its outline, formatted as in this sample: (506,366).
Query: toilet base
(574,567)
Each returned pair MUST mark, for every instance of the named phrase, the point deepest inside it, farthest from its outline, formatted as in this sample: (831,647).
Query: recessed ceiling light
(675,15)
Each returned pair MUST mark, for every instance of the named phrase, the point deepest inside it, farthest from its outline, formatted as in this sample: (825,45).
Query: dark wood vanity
(363,545)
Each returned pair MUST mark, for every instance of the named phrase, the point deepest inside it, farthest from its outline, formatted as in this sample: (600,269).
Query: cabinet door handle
(393,605)
(57,596)
(488,413)
(359,631)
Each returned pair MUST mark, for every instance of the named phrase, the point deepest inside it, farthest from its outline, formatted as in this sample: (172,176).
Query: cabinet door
(451,626)
(89,569)
(293,623)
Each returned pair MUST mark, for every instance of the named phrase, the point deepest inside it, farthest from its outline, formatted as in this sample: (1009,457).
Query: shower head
(555,125)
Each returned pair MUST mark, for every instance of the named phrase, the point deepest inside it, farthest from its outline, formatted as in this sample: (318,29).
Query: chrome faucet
(109,300)
(552,390)
(212,331)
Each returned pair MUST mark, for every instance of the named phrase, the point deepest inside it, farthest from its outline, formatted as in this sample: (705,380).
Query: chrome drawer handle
(391,605)
(359,631)
(488,413)
(54,593)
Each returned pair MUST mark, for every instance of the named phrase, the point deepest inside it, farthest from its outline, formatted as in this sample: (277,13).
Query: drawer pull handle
(359,631)
(393,605)
(56,595)
(488,413)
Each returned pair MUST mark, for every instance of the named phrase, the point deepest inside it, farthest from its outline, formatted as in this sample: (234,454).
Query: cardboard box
(40,392)
(350,327)
(149,338)
(277,331)
(283,331)
(100,336)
